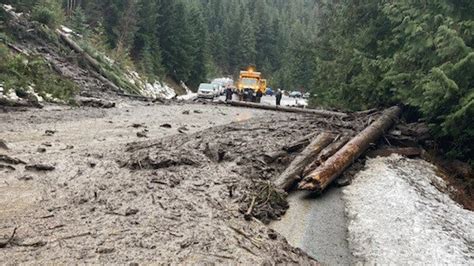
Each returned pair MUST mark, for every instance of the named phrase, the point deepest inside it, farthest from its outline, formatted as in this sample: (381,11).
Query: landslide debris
(235,155)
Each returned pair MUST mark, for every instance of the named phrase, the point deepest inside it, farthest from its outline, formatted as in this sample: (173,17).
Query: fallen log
(293,172)
(19,103)
(94,63)
(288,109)
(10,160)
(289,148)
(93,102)
(143,98)
(322,176)
(325,154)
(17,49)
(40,167)
(299,144)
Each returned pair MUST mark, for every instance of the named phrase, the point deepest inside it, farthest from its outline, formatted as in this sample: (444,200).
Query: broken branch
(9,240)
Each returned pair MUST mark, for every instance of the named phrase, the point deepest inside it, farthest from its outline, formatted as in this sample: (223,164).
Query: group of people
(278,95)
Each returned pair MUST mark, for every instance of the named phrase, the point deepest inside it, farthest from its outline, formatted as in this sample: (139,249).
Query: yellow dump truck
(250,82)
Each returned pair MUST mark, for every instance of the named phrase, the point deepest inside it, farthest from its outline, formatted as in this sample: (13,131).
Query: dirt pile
(241,151)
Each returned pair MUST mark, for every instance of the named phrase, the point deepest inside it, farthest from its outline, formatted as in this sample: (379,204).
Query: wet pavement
(317,225)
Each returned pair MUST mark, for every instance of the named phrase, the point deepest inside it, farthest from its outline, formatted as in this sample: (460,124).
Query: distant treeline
(193,40)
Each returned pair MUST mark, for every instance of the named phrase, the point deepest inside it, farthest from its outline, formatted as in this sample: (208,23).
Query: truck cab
(250,82)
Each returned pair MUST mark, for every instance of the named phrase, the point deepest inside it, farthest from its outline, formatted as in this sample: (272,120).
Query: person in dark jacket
(259,96)
(228,94)
(278,96)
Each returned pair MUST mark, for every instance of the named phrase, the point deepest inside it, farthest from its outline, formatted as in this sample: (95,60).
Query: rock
(214,152)
(166,126)
(272,234)
(183,129)
(41,150)
(47,144)
(3,145)
(343,181)
(138,125)
(105,250)
(142,135)
(25,178)
(186,112)
(40,167)
(50,132)
(197,112)
(92,164)
(34,242)
(131,211)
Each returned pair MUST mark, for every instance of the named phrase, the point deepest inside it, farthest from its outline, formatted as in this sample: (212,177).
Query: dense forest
(417,53)
(194,40)
(350,54)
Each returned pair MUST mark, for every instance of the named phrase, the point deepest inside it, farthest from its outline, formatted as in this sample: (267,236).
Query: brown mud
(197,190)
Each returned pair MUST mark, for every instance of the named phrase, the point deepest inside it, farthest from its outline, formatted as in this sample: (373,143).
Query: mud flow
(175,183)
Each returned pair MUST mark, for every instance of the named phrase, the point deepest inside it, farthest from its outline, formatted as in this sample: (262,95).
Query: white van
(207,90)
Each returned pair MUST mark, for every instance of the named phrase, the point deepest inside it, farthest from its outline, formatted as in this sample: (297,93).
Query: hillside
(43,64)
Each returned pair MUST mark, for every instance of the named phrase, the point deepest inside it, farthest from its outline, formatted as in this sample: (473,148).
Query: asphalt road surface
(317,225)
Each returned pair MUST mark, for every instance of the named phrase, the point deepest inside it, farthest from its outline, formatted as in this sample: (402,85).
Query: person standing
(259,96)
(228,94)
(278,96)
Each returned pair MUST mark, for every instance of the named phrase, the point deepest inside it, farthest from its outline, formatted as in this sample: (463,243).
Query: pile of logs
(328,155)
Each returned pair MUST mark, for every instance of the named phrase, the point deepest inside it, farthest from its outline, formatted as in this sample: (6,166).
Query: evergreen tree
(146,47)
(416,53)
(200,43)
(79,21)
(247,41)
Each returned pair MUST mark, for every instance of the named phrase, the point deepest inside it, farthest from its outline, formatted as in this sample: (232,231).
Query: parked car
(269,92)
(295,94)
(208,90)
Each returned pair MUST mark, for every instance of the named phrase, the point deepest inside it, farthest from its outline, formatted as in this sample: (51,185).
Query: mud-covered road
(138,183)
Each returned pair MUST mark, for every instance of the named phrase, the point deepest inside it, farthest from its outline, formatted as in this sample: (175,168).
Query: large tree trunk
(295,170)
(320,178)
(288,109)
(325,154)
(290,148)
